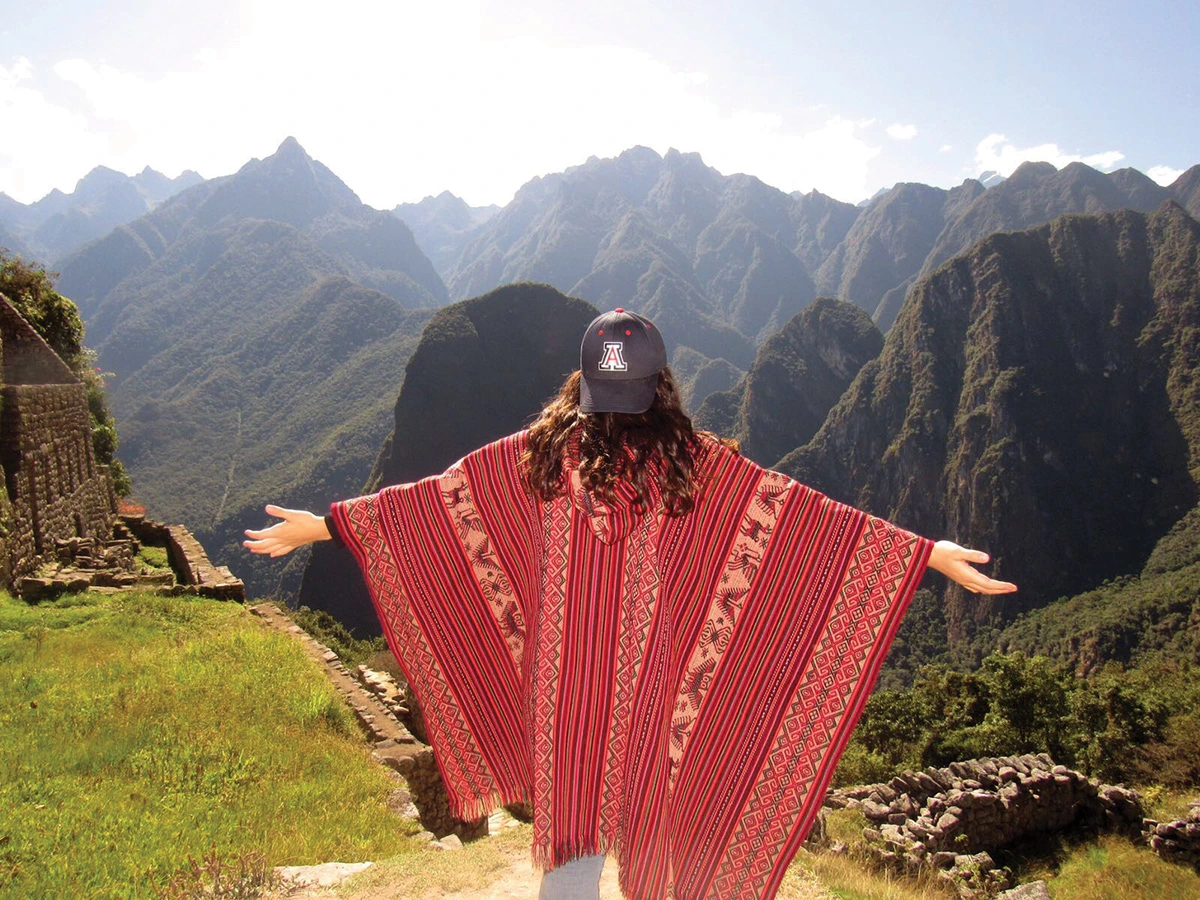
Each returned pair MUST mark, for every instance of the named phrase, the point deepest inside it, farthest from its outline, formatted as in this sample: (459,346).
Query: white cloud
(401,100)
(995,153)
(945,148)
(899,132)
(1164,175)
(49,138)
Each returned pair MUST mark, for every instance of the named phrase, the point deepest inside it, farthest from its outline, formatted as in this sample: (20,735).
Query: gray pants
(578,879)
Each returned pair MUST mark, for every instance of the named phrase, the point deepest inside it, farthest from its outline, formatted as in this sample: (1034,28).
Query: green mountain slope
(1037,398)
(797,377)
(1155,610)
(721,262)
(257,326)
(483,368)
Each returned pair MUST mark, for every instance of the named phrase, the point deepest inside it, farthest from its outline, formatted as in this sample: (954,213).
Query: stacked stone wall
(56,489)
(1178,840)
(950,820)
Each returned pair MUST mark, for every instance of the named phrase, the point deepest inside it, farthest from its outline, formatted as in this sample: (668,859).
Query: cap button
(620,309)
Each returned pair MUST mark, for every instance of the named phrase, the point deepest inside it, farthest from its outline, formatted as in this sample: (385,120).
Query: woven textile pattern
(673,691)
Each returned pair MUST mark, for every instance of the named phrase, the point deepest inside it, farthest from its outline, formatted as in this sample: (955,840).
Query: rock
(948,822)
(876,812)
(324,875)
(1034,890)
(449,842)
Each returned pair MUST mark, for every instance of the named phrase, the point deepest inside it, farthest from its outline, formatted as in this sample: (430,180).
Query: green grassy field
(136,730)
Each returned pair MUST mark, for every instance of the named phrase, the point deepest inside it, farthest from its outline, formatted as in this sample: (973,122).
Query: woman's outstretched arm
(954,562)
(299,527)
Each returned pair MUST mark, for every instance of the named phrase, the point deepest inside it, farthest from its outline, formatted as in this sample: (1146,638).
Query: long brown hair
(659,443)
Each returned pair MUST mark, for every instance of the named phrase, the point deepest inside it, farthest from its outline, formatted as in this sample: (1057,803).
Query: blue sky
(403,100)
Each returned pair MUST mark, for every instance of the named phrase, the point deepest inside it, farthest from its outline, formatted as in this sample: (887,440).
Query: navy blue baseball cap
(620,358)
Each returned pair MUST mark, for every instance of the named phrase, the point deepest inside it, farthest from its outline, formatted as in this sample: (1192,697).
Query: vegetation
(1105,868)
(152,558)
(333,634)
(988,418)
(138,730)
(1137,725)
(30,289)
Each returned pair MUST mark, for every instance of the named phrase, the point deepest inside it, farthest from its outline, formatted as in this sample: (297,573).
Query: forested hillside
(1036,398)
(258,326)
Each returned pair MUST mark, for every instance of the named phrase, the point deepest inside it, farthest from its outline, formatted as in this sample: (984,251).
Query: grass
(153,558)
(137,729)
(1112,868)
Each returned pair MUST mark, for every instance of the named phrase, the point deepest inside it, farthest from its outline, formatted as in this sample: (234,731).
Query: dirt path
(497,867)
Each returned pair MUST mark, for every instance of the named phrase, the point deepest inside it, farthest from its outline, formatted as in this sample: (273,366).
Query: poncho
(674,691)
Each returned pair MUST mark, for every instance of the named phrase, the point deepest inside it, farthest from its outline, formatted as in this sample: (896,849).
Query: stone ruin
(947,821)
(1176,841)
(420,769)
(54,488)
(105,566)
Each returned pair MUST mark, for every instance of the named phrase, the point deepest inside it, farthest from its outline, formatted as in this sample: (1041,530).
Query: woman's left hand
(954,562)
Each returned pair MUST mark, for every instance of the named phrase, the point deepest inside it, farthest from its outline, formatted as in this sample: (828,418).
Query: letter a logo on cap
(613,360)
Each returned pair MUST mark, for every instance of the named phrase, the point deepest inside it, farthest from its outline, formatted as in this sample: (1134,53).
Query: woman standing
(659,645)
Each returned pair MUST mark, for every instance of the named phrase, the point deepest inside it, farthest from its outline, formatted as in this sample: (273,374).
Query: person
(659,645)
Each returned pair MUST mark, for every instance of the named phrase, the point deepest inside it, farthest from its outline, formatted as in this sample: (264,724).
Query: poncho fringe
(673,691)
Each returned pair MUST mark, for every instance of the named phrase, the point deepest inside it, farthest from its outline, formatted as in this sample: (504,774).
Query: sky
(403,99)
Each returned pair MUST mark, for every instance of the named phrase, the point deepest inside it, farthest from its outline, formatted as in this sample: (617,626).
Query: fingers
(268,545)
(979,583)
(282,511)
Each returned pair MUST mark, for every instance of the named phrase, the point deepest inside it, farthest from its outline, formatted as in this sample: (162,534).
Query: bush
(1118,725)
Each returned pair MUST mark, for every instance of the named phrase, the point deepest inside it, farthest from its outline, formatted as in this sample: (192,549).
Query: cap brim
(634,395)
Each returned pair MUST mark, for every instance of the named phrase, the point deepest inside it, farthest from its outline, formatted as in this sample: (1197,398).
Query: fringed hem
(473,808)
(546,857)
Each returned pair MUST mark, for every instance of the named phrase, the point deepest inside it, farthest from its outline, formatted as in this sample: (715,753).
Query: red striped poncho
(674,691)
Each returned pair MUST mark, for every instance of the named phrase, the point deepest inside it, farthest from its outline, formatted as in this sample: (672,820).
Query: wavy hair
(658,444)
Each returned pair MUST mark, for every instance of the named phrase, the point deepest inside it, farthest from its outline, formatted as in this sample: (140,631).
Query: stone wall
(951,820)
(193,569)
(55,487)
(1177,841)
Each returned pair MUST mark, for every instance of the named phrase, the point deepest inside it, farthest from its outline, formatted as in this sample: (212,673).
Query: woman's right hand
(299,527)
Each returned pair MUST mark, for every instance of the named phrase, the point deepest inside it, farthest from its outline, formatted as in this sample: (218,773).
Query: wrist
(318,529)
(937,556)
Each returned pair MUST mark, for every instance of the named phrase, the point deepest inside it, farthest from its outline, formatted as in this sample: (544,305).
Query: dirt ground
(498,867)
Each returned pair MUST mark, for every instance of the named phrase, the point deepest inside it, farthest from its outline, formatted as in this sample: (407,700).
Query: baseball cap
(620,358)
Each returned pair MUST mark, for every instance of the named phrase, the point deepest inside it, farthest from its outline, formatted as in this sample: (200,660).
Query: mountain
(103,199)
(797,377)
(720,262)
(442,226)
(257,326)
(1036,399)
(912,229)
(484,367)
(1186,190)
(13,244)
(1155,611)
(890,240)
(191,263)
(286,408)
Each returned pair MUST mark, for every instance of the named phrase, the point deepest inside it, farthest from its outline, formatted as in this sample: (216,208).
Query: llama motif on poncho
(673,691)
